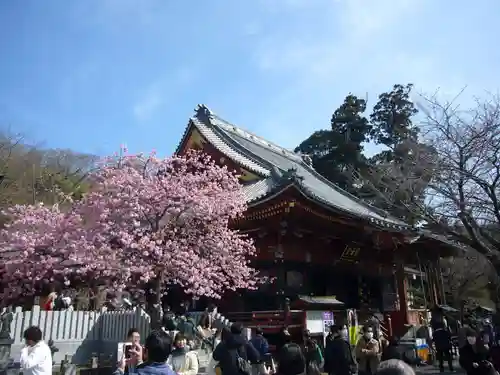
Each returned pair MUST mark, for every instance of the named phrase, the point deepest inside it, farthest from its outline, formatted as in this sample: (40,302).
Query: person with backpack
(235,353)
(312,351)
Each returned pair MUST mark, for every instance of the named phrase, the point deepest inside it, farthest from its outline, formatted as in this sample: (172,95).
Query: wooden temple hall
(313,237)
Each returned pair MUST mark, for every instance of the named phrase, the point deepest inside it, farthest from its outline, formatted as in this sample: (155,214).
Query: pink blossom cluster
(145,217)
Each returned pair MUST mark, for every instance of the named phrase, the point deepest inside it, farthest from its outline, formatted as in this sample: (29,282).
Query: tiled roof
(259,189)
(263,157)
(232,154)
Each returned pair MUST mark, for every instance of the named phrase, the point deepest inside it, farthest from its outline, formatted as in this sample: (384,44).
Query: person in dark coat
(338,355)
(442,340)
(475,356)
(284,338)
(235,346)
(311,350)
(260,343)
(392,351)
(291,360)
(168,320)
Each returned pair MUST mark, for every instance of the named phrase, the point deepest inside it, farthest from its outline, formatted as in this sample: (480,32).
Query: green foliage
(335,152)
(391,117)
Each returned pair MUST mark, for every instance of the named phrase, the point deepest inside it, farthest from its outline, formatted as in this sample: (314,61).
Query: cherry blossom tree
(146,219)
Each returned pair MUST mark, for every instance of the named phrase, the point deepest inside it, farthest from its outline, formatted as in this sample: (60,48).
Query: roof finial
(307,159)
(202,112)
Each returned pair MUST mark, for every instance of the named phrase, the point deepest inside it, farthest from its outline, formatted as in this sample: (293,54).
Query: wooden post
(402,285)
(388,322)
(431,282)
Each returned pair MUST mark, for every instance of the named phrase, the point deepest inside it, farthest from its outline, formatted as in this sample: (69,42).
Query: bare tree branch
(449,180)
(468,278)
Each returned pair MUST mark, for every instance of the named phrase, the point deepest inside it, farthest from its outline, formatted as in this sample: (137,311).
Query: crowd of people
(235,354)
(171,351)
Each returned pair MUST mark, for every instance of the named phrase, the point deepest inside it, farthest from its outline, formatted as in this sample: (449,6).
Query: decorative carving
(202,112)
(377,241)
(307,159)
(396,241)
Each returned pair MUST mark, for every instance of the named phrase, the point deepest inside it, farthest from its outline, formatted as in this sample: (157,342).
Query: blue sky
(93,74)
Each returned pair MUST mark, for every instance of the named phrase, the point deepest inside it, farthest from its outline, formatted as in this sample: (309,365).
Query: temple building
(314,238)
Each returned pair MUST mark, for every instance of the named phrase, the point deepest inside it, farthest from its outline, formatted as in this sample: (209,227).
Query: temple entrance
(334,281)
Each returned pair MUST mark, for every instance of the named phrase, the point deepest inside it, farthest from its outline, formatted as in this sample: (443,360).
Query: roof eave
(184,138)
(295,184)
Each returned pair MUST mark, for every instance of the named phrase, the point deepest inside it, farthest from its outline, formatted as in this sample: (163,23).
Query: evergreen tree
(405,162)
(336,152)
(391,118)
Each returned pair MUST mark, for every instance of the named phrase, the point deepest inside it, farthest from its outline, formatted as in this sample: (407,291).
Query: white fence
(80,334)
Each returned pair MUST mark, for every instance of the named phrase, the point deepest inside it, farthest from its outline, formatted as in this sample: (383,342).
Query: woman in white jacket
(183,361)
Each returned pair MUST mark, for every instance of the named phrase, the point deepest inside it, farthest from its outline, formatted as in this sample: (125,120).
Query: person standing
(291,360)
(475,357)
(133,337)
(338,355)
(462,333)
(157,349)
(260,343)
(442,341)
(182,360)
(312,351)
(187,327)
(36,357)
(368,352)
(284,338)
(168,321)
(221,335)
(235,353)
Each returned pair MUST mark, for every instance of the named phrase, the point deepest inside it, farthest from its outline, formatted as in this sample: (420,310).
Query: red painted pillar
(402,285)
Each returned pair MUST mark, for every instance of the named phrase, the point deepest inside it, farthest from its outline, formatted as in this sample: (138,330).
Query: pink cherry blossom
(145,218)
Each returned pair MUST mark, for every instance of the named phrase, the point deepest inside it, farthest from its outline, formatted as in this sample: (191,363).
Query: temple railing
(271,321)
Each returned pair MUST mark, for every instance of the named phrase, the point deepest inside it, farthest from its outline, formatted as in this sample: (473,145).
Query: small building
(314,238)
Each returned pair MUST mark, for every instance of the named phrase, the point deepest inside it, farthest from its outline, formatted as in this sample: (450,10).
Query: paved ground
(203,358)
(428,370)
(424,370)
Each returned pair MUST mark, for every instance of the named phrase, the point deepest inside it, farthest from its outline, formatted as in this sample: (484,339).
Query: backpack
(242,364)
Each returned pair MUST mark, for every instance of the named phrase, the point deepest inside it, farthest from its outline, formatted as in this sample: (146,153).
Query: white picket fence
(80,334)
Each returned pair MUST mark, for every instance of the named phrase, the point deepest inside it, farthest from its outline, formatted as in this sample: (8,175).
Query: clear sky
(93,74)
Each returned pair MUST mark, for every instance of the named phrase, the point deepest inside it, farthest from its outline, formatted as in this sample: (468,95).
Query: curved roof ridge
(230,141)
(381,212)
(267,155)
(253,137)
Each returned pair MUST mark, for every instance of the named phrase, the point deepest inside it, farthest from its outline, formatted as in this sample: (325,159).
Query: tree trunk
(154,306)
